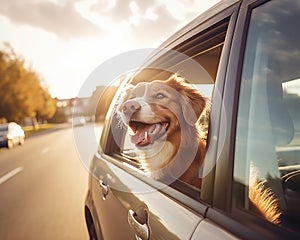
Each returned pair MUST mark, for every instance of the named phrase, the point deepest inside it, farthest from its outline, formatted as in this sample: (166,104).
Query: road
(43,185)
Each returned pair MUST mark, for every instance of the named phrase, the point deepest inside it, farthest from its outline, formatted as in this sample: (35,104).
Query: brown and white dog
(163,118)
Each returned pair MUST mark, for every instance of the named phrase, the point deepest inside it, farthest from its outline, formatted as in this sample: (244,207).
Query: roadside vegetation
(31,130)
(23,95)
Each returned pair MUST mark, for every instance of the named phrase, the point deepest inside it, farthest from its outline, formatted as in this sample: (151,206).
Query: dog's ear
(193,103)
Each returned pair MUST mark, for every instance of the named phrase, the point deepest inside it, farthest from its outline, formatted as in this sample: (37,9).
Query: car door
(128,203)
(131,208)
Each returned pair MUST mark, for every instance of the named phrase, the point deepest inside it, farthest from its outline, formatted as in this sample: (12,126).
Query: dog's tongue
(141,136)
(147,134)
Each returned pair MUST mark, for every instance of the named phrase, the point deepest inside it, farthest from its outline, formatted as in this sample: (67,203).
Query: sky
(64,41)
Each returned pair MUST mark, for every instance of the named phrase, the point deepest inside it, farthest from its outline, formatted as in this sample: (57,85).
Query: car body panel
(209,230)
(126,193)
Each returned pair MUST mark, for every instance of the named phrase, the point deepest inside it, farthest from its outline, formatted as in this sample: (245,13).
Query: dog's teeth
(146,135)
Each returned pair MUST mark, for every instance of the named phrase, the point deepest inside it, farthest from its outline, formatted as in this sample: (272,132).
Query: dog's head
(161,111)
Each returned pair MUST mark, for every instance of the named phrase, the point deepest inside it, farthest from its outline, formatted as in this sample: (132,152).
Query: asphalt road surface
(43,186)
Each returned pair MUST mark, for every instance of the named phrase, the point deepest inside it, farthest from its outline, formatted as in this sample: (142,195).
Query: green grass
(30,130)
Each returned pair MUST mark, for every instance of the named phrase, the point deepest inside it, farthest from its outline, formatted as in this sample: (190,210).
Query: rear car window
(267,155)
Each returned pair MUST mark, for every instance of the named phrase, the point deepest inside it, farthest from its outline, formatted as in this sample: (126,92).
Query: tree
(21,92)
(47,108)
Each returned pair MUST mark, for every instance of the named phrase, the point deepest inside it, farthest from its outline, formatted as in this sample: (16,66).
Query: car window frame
(227,132)
(201,206)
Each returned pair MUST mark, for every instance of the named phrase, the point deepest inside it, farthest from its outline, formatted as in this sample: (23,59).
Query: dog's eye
(160,96)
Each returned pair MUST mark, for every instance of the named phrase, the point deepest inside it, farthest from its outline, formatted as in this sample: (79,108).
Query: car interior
(267,143)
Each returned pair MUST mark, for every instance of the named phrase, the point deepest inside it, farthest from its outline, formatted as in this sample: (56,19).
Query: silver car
(11,134)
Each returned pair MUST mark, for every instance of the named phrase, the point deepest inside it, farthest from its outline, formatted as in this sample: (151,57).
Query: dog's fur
(264,202)
(163,117)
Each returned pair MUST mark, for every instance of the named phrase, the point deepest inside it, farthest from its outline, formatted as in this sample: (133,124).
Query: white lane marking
(45,150)
(10,174)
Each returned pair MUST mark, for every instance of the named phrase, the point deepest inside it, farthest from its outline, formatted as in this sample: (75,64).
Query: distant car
(79,121)
(11,134)
(243,56)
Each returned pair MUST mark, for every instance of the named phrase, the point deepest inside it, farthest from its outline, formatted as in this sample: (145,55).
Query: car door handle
(105,189)
(139,223)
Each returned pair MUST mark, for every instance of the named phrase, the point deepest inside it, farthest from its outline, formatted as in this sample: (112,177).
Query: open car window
(196,61)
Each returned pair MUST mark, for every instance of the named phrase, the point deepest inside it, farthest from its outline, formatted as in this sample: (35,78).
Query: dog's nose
(130,107)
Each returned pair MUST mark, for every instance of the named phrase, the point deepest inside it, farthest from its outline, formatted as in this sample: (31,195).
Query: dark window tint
(267,155)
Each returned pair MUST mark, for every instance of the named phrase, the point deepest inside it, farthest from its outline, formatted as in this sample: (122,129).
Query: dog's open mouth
(145,133)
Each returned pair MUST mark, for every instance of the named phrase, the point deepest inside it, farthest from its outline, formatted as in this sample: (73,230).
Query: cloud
(119,10)
(60,18)
(148,20)
(145,20)
(161,26)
